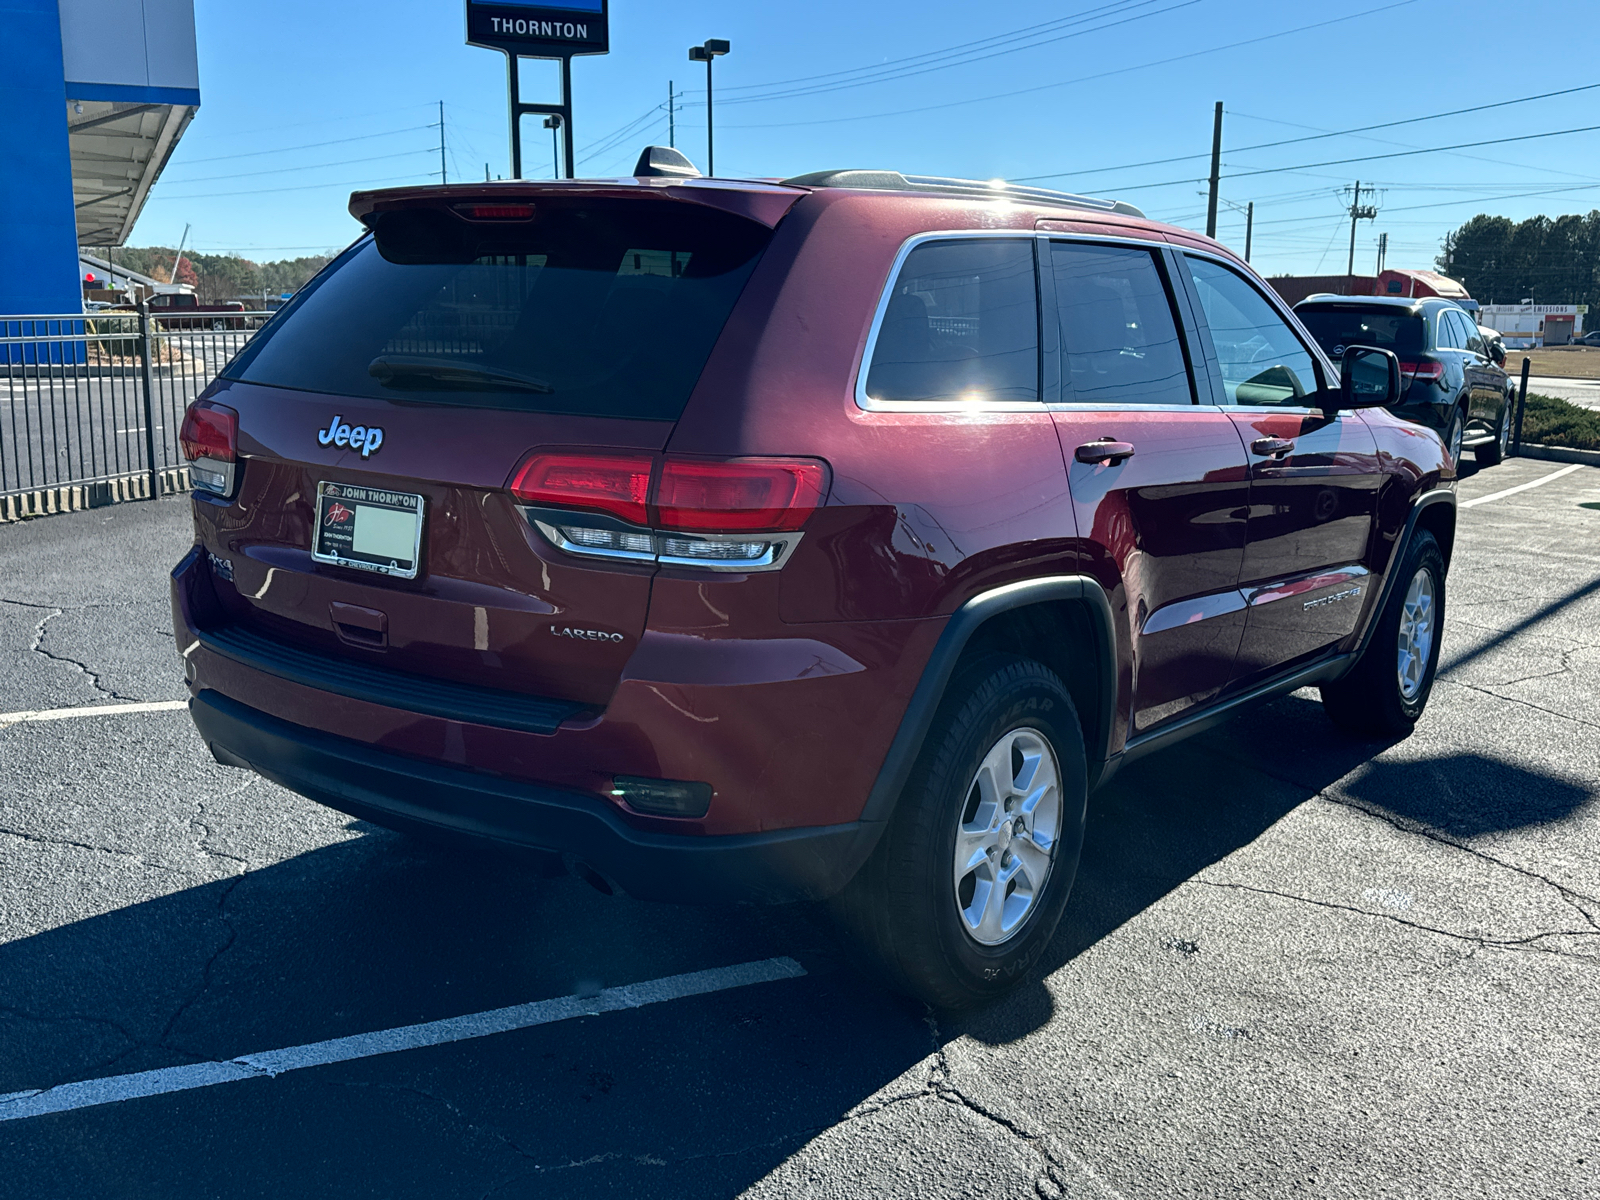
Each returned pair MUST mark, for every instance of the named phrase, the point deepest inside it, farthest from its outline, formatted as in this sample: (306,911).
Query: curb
(1563,454)
(45,502)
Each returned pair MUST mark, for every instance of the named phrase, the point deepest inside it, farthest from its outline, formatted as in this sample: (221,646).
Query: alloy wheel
(1416,634)
(1005,846)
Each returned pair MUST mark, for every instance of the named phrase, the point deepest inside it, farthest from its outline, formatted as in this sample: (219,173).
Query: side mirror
(1498,353)
(1368,378)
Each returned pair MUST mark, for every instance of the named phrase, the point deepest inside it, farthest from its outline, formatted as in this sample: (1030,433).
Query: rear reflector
(739,495)
(662,797)
(210,431)
(618,484)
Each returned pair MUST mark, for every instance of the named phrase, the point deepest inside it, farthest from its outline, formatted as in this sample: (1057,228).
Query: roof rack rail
(894,181)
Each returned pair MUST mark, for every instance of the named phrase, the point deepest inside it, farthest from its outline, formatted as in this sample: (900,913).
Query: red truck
(183,310)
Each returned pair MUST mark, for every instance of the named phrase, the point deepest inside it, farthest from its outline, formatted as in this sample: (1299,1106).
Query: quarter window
(961,325)
(1119,339)
(1450,335)
(1263,362)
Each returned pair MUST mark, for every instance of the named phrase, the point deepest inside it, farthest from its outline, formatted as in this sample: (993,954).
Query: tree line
(218,277)
(1550,261)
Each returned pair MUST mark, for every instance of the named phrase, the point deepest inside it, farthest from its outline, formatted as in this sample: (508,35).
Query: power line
(365,137)
(1028,31)
(962,58)
(1160,62)
(345,162)
(1336,162)
(307,187)
(1361,158)
(1455,112)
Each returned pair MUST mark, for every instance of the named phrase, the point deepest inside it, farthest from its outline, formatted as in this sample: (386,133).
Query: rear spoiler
(763,203)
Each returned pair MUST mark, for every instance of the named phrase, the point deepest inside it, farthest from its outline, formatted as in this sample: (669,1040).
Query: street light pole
(712,49)
(553,124)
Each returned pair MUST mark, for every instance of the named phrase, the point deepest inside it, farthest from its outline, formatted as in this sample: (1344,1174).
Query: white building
(1525,326)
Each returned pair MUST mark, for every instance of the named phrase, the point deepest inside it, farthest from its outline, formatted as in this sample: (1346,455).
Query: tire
(218,325)
(930,933)
(1491,454)
(1452,436)
(1385,692)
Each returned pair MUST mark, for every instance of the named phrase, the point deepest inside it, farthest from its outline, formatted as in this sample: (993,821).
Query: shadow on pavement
(1167,818)
(704,1096)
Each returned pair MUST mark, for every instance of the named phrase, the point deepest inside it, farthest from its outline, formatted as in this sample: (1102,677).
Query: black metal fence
(91,404)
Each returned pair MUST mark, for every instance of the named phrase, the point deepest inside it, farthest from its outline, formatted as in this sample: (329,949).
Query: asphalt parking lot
(1294,965)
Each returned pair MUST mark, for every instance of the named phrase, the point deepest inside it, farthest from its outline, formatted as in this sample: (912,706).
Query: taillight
(210,442)
(739,496)
(740,514)
(1426,370)
(210,431)
(618,484)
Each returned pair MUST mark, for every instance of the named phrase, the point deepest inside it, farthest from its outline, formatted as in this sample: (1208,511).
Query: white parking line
(1522,487)
(92,1093)
(93,710)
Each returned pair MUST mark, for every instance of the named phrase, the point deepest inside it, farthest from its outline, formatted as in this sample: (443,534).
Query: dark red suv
(830,538)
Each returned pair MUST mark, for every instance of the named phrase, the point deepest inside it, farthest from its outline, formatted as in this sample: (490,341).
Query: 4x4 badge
(365,438)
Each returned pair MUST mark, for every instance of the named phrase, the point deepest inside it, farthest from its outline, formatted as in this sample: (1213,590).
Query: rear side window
(1336,327)
(592,307)
(962,324)
(1119,340)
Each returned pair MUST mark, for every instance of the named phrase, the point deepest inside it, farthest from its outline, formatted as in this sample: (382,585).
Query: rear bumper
(390,789)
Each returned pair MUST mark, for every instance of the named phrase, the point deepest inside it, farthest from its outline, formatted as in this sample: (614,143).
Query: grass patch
(1547,421)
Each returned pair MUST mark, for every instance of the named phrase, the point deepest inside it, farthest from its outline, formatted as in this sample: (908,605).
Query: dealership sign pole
(557,29)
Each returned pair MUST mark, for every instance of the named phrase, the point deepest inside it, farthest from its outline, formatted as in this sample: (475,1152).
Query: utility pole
(444,176)
(177,261)
(1249,227)
(1216,170)
(712,49)
(1358,212)
(672,118)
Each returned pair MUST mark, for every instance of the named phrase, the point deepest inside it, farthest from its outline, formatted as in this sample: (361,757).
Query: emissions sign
(550,29)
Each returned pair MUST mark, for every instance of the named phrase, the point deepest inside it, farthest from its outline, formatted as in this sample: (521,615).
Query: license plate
(368,528)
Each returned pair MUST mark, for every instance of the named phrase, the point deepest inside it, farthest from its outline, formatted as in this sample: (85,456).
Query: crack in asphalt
(460,1117)
(1570,896)
(134,1040)
(43,840)
(1057,1178)
(1550,712)
(210,965)
(206,832)
(84,668)
(1527,943)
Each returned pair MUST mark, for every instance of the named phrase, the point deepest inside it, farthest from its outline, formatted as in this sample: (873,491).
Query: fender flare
(1440,495)
(941,665)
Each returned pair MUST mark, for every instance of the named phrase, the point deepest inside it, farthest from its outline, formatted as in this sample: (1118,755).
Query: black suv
(1453,385)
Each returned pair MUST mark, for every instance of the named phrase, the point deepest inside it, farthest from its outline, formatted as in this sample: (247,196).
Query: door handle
(1104,450)
(1272,447)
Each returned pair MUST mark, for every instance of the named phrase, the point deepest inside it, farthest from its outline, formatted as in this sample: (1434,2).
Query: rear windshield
(1336,327)
(590,307)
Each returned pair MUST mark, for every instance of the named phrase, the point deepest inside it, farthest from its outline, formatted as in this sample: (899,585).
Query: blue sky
(303,101)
